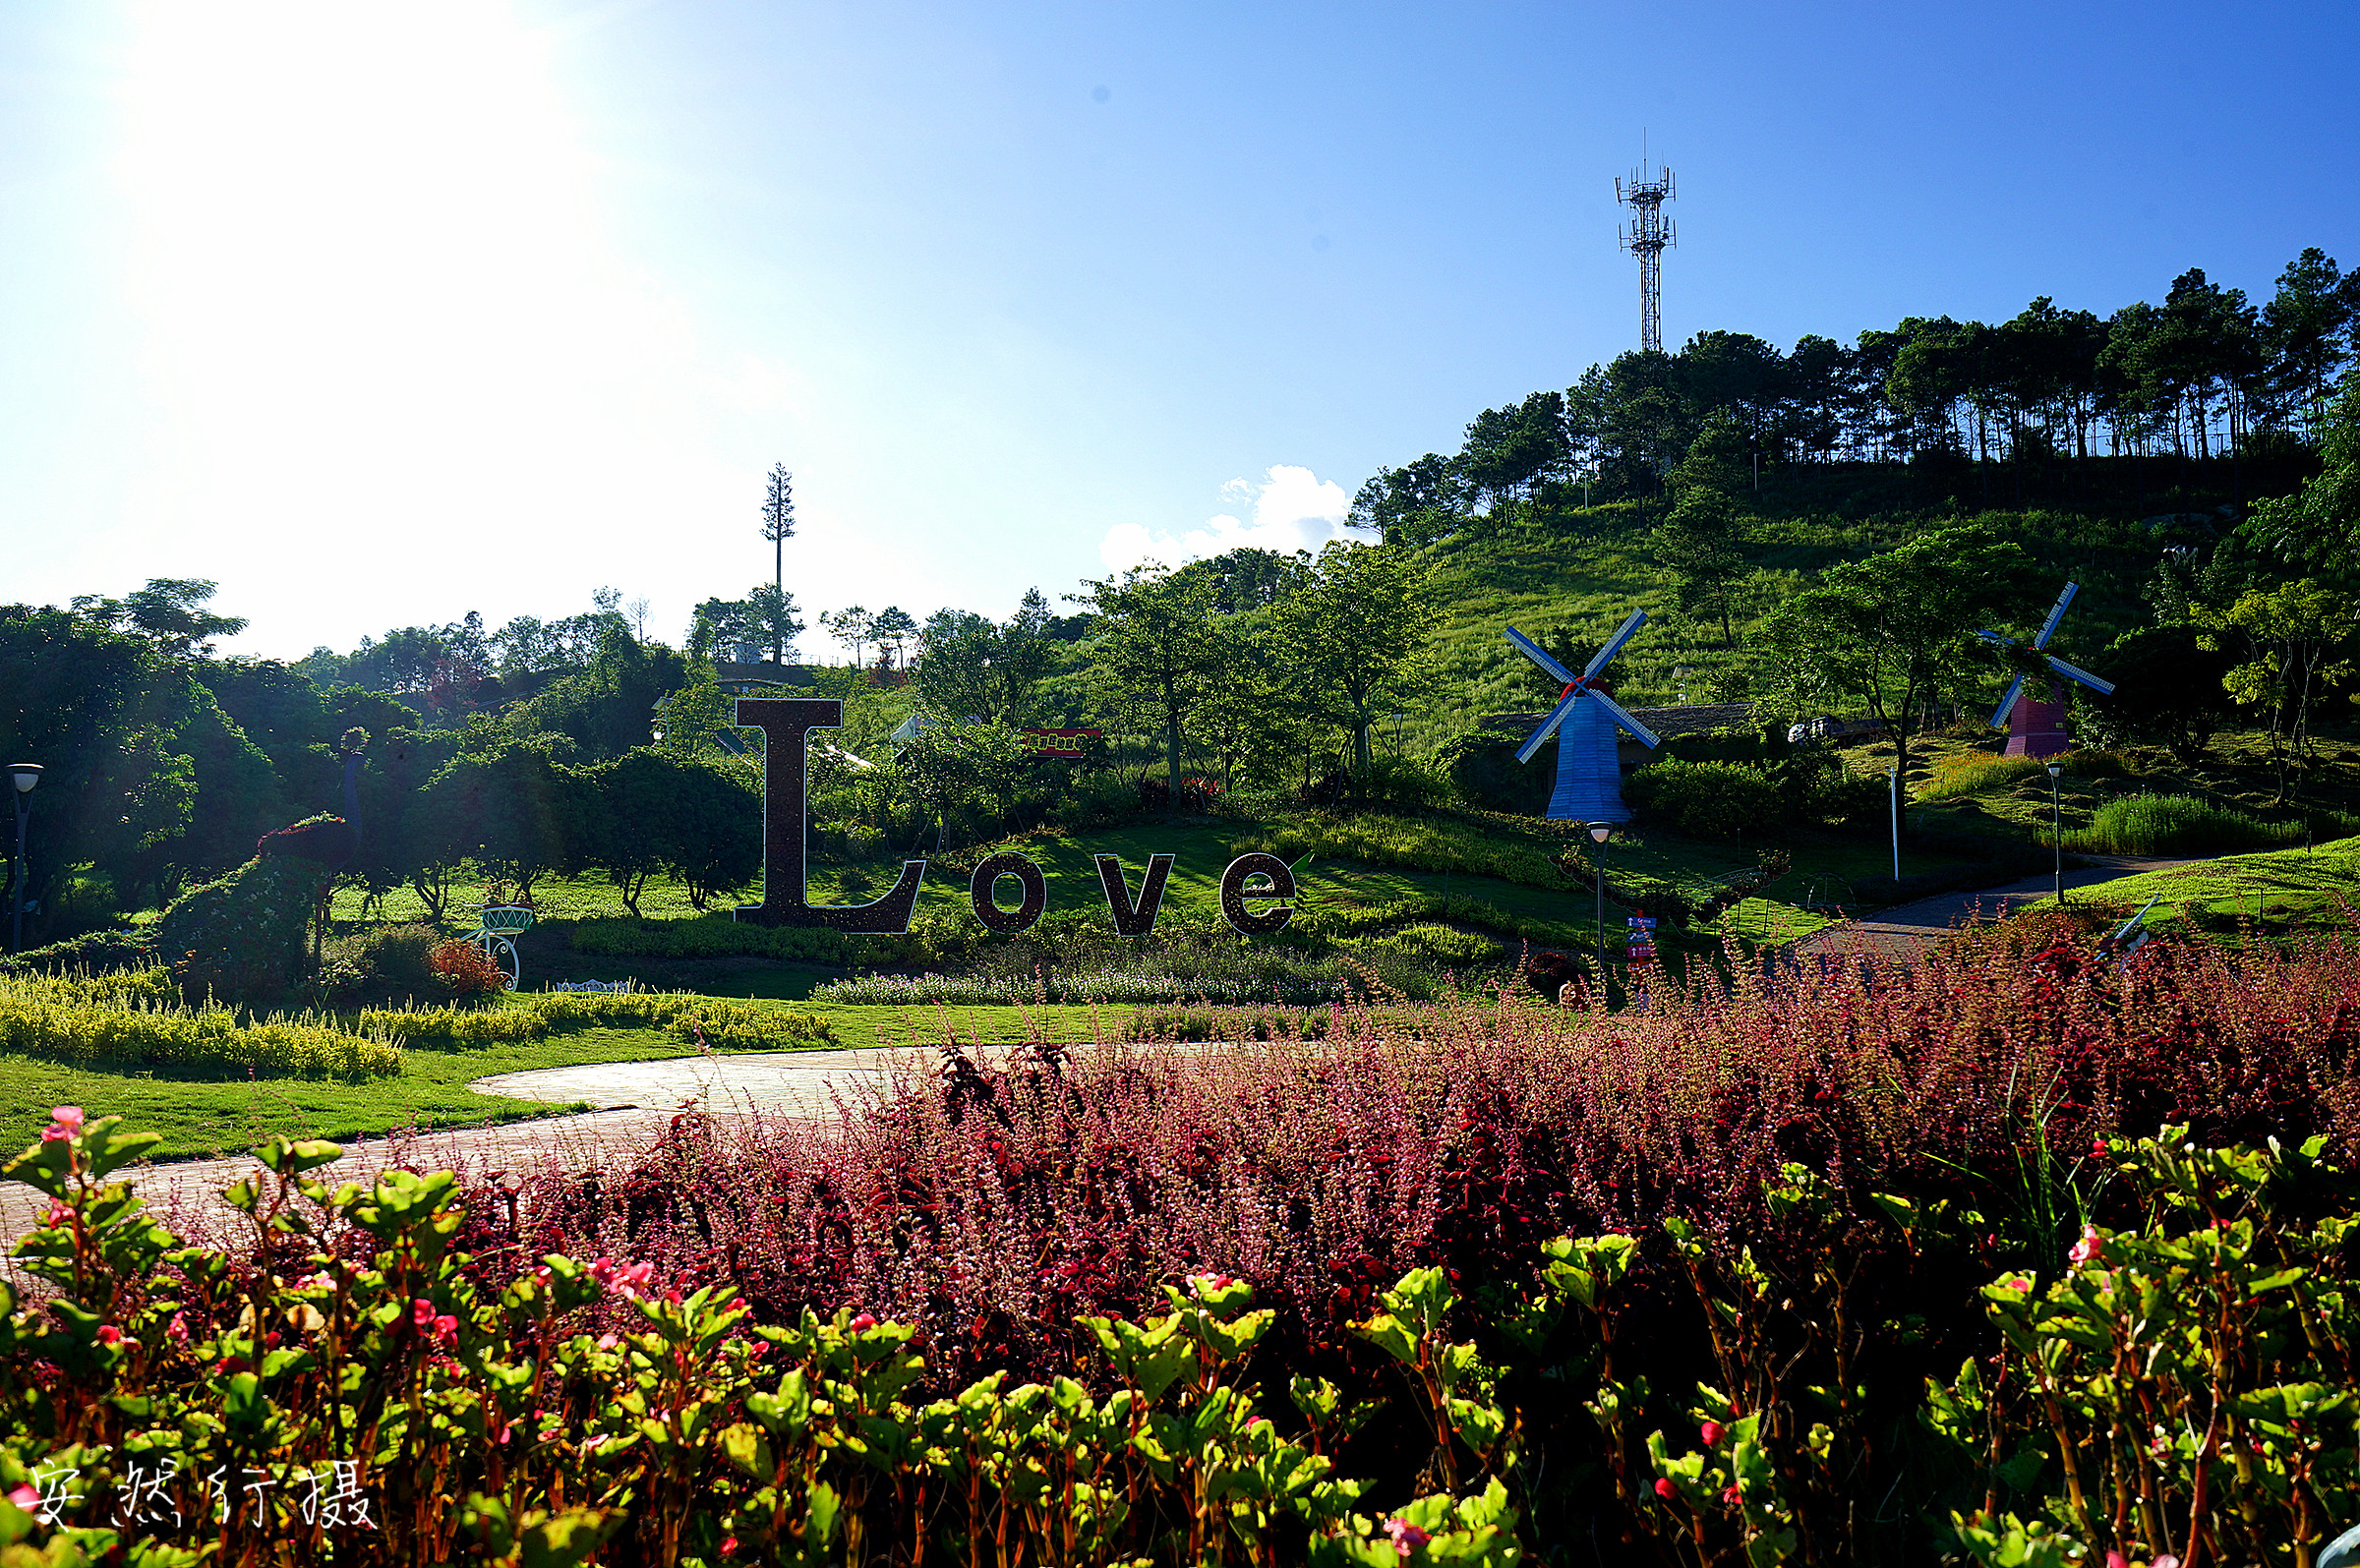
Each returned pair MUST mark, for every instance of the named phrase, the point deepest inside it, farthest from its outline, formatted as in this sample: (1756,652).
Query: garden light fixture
(2056,830)
(24,775)
(1600,832)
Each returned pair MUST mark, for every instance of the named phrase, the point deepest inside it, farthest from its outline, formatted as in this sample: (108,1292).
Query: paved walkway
(1906,930)
(634,1100)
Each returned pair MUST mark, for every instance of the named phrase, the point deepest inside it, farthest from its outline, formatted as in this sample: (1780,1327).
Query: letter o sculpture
(985,902)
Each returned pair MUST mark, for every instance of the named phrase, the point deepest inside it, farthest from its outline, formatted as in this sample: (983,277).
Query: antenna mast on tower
(1645,237)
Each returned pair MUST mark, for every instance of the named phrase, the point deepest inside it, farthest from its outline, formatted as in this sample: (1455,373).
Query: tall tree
(1358,628)
(2319,524)
(1894,630)
(848,626)
(2306,325)
(775,619)
(891,631)
(2295,641)
(1158,645)
(778,525)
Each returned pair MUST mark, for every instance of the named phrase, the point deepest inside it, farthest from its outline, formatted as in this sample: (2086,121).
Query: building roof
(1684,720)
(743,674)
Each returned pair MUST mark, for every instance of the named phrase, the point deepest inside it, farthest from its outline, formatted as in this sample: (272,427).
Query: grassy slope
(1583,572)
(2282,892)
(2237,775)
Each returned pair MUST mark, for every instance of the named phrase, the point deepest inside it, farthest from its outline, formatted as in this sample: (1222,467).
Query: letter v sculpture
(1589,776)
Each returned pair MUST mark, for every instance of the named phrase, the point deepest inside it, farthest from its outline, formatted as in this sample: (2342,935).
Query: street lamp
(24,775)
(1600,832)
(2056,829)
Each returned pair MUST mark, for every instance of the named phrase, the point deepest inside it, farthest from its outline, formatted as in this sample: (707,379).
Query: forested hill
(2020,413)
(1707,484)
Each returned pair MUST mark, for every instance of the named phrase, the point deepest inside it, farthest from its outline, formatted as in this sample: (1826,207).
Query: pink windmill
(2036,727)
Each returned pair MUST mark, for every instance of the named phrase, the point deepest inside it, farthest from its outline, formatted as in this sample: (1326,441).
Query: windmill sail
(1589,773)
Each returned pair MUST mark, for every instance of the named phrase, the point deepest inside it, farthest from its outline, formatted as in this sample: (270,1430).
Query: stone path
(634,1100)
(1906,930)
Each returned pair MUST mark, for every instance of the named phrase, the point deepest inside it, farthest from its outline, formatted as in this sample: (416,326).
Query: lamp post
(2056,830)
(1600,832)
(24,775)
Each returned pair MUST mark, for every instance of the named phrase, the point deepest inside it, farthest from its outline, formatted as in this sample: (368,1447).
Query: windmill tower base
(1589,769)
(2035,727)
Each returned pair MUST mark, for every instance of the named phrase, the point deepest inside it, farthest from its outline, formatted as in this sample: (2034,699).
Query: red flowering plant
(465,969)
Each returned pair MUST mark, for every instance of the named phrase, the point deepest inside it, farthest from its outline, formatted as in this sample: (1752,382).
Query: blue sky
(380,312)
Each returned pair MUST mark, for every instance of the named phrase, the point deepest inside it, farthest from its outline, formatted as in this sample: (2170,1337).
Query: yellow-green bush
(711,936)
(736,1025)
(137,1019)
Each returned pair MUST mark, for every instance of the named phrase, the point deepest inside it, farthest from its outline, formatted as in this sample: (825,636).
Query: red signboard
(1039,746)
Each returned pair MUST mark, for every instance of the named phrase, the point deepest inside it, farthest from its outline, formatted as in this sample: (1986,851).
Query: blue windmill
(1589,776)
(2036,727)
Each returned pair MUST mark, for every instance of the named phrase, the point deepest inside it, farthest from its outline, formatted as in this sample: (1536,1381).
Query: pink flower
(58,1214)
(861,1324)
(177,1330)
(422,1313)
(27,1498)
(65,1122)
(1733,1495)
(2090,1248)
(445,1330)
(2115,1559)
(109,1334)
(729,1545)
(1407,1537)
(1665,1489)
(1711,1433)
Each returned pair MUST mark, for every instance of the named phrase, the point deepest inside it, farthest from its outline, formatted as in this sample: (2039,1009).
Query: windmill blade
(1614,643)
(1999,718)
(1534,652)
(2097,684)
(2132,924)
(1557,716)
(2048,627)
(1647,736)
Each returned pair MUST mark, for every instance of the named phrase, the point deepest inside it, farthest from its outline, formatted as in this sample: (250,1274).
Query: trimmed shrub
(397,956)
(1704,799)
(94,952)
(241,938)
(711,936)
(2172,824)
(739,1025)
(138,1019)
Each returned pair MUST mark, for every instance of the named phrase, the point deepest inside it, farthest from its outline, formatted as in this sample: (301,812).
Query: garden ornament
(1589,773)
(2035,727)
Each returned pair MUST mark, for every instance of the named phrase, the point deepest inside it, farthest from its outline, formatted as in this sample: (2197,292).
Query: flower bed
(1695,1281)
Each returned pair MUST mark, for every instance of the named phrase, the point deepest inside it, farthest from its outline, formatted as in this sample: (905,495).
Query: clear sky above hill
(378,313)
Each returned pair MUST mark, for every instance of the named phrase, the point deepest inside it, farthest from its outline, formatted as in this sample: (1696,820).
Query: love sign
(785,724)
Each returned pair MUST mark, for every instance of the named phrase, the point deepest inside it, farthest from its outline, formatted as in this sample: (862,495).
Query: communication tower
(1645,236)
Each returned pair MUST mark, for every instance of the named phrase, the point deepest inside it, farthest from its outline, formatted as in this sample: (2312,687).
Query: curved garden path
(1902,932)
(632,1104)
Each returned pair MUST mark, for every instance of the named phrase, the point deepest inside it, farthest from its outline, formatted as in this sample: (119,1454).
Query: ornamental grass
(138,1019)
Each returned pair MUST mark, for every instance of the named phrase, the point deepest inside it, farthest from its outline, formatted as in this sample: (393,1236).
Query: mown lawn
(226,1115)
(1366,860)
(2280,893)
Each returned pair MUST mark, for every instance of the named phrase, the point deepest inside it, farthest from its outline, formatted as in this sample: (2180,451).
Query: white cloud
(1292,508)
